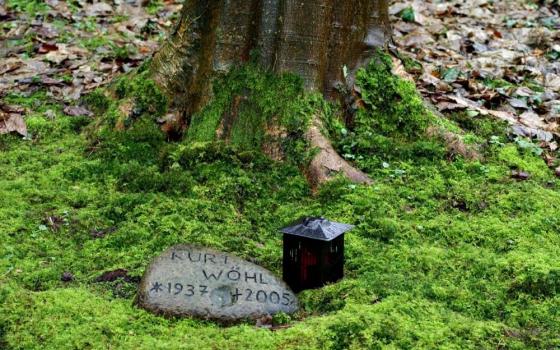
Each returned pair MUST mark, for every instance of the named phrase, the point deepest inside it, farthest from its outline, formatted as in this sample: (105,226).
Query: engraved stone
(191,281)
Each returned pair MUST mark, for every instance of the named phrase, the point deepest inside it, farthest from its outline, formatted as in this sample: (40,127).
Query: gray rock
(200,282)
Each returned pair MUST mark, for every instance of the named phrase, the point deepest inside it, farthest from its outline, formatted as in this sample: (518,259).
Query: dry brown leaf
(10,65)
(518,103)
(98,9)
(12,122)
(416,39)
(506,116)
(553,82)
(46,48)
(472,37)
(397,8)
(12,109)
(77,111)
(47,31)
(532,119)
(399,70)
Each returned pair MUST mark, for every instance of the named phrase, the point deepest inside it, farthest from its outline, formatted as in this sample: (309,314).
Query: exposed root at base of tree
(327,162)
(454,143)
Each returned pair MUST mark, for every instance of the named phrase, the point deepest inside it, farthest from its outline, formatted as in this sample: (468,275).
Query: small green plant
(95,42)
(31,7)
(496,141)
(554,54)
(528,146)
(450,75)
(281,318)
(123,52)
(154,6)
(408,14)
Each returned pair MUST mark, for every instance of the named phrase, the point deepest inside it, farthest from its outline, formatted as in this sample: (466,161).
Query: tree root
(327,162)
(454,143)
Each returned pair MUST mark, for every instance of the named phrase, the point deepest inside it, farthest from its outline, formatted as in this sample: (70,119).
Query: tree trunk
(319,40)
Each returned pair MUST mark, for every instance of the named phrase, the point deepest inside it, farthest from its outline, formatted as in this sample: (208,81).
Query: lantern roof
(317,228)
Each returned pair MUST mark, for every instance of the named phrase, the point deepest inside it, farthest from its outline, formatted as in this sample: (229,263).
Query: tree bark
(318,40)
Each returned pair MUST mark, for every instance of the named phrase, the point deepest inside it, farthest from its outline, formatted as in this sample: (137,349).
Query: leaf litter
(496,58)
(491,58)
(70,49)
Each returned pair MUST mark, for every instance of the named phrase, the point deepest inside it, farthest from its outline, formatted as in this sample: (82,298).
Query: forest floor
(486,57)
(448,252)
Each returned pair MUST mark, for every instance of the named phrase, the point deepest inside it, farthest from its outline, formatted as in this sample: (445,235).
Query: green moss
(446,254)
(522,160)
(141,142)
(247,102)
(394,105)
(148,98)
(391,125)
(154,6)
(126,124)
(31,7)
(95,42)
(481,126)
(97,101)
(398,328)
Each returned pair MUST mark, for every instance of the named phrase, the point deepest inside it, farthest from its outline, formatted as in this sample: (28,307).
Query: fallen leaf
(96,233)
(524,92)
(518,103)
(67,277)
(400,70)
(46,48)
(54,222)
(77,111)
(98,9)
(553,82)
(450,75)
(506,116)
(532,133)
(417,39)
(111,276)
(533,120)
(47,31)
(50,81)
(57,57)
(50,114)
(64,53)
(12,123)
(264,322)
(12,109)
(36,66)
(520,175)
(10,65)
(397,8)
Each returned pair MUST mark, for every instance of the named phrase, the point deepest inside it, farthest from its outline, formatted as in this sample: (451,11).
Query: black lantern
(313,253)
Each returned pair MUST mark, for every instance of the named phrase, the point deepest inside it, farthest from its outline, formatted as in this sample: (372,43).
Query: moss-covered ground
(447,253)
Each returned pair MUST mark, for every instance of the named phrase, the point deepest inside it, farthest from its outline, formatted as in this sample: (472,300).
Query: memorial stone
(191,281)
